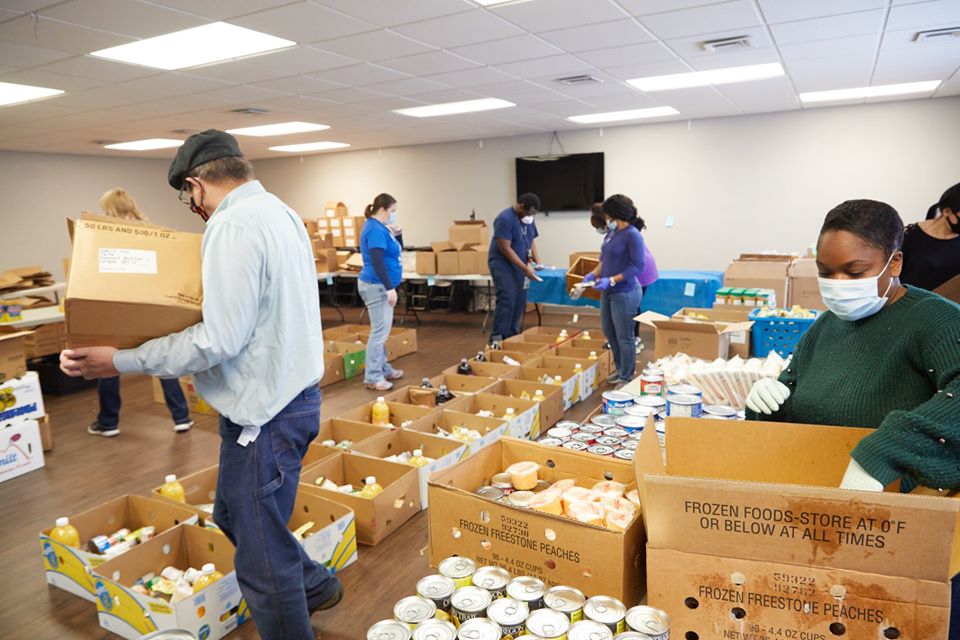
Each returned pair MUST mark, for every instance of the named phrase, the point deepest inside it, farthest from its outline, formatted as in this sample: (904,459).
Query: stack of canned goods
(466,602)
(604,435)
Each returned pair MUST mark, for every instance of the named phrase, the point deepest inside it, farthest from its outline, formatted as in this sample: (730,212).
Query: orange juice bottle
(380,413)
(538,396)
(418,460)
(593,355)
(586,335)
(510,414)
(370,488)
(65,533)
(208,575)
(172,489)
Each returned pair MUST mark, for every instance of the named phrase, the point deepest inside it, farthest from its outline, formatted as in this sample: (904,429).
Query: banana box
(70,569)
(331,539)
(586,372)
(20,399)
(569,382)
(210,614)
(21,449)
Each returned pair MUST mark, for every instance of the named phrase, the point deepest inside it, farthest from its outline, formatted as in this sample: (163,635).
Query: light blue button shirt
(260,342)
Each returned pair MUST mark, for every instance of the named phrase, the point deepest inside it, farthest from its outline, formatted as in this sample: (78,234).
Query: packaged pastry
(618,520)
(574,495)
(586,512)
(563,485)
(618,504)
(608,489)
(634,497)
(548,501)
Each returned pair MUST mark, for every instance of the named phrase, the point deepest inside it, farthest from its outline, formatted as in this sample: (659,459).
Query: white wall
(732,184)
(39,191)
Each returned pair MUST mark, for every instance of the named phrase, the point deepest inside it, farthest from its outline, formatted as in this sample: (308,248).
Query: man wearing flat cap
(257,358)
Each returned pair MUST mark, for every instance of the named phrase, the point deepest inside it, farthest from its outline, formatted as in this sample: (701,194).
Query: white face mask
(853,300)
(527,219)
(602,231)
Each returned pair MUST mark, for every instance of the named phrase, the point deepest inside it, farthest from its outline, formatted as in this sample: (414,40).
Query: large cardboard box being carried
(70,569)
(724,315)
(211,613)
(804,285)
(551,408)
(130,283)
(706,340)
(746,526)
(554,549)
(467,232)
(760,271)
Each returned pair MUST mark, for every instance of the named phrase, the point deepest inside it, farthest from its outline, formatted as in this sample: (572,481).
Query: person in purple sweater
(621,262)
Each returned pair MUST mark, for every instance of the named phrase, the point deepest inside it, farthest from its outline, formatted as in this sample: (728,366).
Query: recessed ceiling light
(145,145)
(860,93)
(207,44)
(278,129)
(631,114)
(12,93)
(453,108)
(310,146)
(728,75)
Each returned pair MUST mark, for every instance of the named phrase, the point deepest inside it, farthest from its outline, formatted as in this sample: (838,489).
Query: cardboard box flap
(804,268)
(767,257)
(651,318)
(736,327)
(442,246)
(469,223)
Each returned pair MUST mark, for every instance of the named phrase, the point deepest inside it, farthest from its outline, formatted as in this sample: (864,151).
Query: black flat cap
(199,149)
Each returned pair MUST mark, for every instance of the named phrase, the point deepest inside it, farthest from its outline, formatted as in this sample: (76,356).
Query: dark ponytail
(620,207)
(383,201)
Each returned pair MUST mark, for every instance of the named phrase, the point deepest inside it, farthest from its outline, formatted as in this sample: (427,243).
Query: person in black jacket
(931,248)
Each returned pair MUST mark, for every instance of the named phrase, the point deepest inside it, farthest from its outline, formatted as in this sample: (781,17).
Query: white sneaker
(182,426)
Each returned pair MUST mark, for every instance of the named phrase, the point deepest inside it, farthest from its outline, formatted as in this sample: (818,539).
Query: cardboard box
(131,283)
(448,259)
(13,356)
(196,403)
(332,369)
(339,430)
(354,262)
(38,341)
(577,271)
(525,359)
(334,543)
(401,342)
(804,285)
(487,369)
(400,414)
(554,549)
(414,395)
(444,452)
(520,343)
(740,342)
(46,433)
(22,398)
(588,380)
(459,385)
(469,260)
(484,253)
(199,488)
(706,340)
(467,232)
(444,422)
(551,408)
(21,450)
(526,412)
(70,569)
(426,263)
(570,383)
(760,271)
(604,358)
(552,332)
(576,255)
(311,226)
(354,356)
(326,260)
(334,209)
(746,516)
(213,612)
(378,517)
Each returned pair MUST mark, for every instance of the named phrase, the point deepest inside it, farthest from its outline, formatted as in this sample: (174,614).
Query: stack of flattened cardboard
(23,278)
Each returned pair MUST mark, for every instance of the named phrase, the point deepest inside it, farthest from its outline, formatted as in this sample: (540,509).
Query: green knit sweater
(897,371)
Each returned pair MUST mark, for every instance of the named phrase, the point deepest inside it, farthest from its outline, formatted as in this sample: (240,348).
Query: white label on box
(21,399)
(738,337)
(20,449)
(689,289)
(128,261)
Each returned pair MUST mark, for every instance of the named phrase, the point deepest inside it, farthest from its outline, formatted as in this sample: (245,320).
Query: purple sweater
(622,253)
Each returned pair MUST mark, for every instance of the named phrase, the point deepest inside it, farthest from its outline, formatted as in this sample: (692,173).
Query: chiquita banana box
(326,529)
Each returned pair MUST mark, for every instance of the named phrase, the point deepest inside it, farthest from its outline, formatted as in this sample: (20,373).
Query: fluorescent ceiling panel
(630,114)
(145,145)
(860,93)
(278,129)
(310,146)
(13,93)
(453,108)
(727,75)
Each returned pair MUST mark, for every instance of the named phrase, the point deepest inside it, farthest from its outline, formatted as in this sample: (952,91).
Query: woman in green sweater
(884,356)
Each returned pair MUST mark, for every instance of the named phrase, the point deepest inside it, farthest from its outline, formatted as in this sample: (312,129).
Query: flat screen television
(571,182)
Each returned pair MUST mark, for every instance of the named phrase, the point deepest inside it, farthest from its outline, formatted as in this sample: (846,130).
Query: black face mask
(954,226)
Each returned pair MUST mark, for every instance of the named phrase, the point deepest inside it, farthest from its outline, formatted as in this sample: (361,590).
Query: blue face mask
(611,225)
(853,300)
(392,217)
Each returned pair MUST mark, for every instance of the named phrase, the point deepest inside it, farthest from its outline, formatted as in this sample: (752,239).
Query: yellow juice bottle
(65,533)
(370,488)
(418,460)
(380,414)
(208,575)
(172,489)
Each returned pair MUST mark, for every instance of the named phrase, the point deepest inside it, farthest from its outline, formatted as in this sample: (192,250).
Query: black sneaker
(329,603)
(97,429)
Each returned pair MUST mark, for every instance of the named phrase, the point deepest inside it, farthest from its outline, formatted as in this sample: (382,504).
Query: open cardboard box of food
(518,343)
(526,412)
(400,414)
(212,612)
(415,395)
(603,358)
(525,359)
(554,549)
(546,339)
(487,370)
(332,540)
(340,430)
(377,517)
(459,384)
(724,315)
(490,429)
(589,379)
(443,451)
(551,408)
(69,568)
(199,491)
(706,340)
(332,369)
(401,341)
(569,383)
(553,332)
(746,527)
(354,355)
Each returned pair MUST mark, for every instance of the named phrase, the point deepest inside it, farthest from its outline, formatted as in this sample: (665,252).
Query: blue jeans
(511,300)
(617,310)
(381,321)
(256,490)
(109,391)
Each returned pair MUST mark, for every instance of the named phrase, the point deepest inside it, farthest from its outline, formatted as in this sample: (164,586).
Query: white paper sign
(689,289)
(739,337)
(128,261)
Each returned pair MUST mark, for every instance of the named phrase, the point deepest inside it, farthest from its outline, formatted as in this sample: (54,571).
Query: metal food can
(586,438)
(559,432)
(435,630)
(493,579)
(655,623)
(589,630)
(438,589)
(568,424)
(551,442)
(631,635)
(614,402)
(389,630)
(640,411)
(573,445)
(684,390)
(684,407)
(548,624)
(600,450)
(603,421)
(502,481)
(490,493)
(651,385)
(458,569)
(608,441)
(630,443)
(719,412)
(616,432)
(528,590)
(469,603)
(658,404)
(624,454)
(414,609)
(631,424)
(479,629)
(592,429)
(608,611)
(652,371)
(511,615)
(567,600)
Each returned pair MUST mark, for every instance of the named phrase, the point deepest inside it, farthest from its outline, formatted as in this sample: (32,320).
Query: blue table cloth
(673,291)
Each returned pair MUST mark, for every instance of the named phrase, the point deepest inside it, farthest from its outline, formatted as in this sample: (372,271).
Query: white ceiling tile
(389,13)
(40,78)
(735,59)
(460,29)
(16,54)
(632,54)
(924,15)
(429,63)
(646,7)
(598,36)
(109,96)
(299,84)
(790,10)
(407,86)
(513,49)
(239,95)
(304,23)
(905,39)
(903,65)
(629,72)
(31,111)
(698,102)
(516,91)
(546,15)
(590,91)
(541,67)
(472,78)
(564,107)
(174,83)
(447,95)
(235,72)
(851,24)
(97,69)
(773,94)
(221,9)
(129,17)
(350,95)
(737,14)
(297,103)
(831,73)
(375,45)
(622,102)
(51,34)
(692,46)
(302,59)
(359,75)
(835,47)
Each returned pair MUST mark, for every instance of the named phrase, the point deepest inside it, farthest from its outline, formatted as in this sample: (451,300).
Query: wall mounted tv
(571,182)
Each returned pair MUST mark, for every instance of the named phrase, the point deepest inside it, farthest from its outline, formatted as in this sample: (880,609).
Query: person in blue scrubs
(511,250)
(381,275)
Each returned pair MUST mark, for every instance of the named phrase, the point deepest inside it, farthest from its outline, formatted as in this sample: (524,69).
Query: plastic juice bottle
(380,414)
(578,368)
(208,575)
(593,355)
(172,489)
(65,533)
(586,335)
(464,369)
(538,396)
(370,488)
(562,336)
(418,460)
(510,414)
(426,384)
(557,380)
(480,357)
(443,394)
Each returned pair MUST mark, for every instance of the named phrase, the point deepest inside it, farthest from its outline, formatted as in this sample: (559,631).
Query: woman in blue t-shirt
(621,261)
(381,275)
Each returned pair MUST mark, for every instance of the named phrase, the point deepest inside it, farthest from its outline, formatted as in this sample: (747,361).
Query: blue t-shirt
(376,235)
(507,226)
(622,252)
